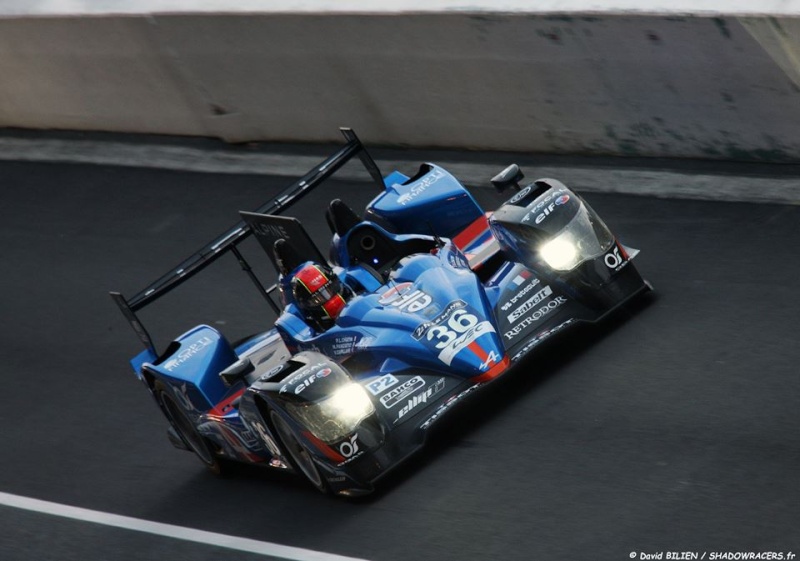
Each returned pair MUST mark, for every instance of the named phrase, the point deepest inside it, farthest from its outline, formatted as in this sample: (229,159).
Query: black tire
(180,421)
(299,456)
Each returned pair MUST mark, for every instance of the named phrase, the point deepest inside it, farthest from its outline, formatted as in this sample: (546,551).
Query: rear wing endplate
(228,240)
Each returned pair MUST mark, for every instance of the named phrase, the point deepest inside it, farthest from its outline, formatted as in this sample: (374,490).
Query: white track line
(169,530)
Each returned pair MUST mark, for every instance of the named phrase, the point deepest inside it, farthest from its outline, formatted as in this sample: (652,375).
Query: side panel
(197,357)
(432,200)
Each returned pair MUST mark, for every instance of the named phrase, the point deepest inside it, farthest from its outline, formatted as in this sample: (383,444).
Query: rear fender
(191,365)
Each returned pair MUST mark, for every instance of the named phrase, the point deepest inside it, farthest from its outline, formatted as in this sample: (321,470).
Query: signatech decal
(381,384)
(416,400)
(530,303)
(535,316)
(519,295)
(402,392)
(187,352)
(420,187)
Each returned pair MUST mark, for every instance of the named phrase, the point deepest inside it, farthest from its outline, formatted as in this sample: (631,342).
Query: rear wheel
(183,425)
(300,457)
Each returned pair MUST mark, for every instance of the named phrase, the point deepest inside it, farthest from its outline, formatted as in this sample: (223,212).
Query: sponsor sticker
(534,317)
(404,299)
(518,296)
(349,447)
(614,259)
(530,303)
(187,353)
(420,187)
(421,398)
(307,371)
(547,205)
(401,392)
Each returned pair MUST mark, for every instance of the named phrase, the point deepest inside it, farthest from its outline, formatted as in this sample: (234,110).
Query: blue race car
(425,299)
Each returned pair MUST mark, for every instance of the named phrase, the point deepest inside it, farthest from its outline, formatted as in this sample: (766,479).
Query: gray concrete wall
(720,87)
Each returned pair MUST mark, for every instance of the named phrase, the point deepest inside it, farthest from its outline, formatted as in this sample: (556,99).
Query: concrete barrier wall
(720,87)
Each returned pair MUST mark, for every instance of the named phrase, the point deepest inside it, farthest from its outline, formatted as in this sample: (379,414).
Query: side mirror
(509,177)
(236,371)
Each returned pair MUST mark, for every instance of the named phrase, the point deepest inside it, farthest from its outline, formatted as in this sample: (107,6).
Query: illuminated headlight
(337,416)
(560,254)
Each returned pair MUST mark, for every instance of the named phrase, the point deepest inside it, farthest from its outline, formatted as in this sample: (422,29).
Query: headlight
(560,254)
(337,416)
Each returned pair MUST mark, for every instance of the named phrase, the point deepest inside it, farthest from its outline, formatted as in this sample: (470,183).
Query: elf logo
(404,299)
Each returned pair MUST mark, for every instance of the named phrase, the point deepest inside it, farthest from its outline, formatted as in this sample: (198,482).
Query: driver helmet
(319,294)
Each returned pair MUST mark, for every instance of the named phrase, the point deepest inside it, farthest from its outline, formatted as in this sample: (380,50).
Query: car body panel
(446,297)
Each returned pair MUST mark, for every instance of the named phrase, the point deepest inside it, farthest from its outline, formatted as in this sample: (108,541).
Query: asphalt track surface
(672,427)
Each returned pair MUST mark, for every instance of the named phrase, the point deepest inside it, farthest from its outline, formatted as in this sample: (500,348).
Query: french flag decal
(520,278)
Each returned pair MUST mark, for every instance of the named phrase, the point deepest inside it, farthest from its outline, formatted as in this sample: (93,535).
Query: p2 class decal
(616,258)
(382,384)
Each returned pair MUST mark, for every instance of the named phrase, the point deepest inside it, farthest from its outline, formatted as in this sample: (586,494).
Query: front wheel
(187,431)
(298,454)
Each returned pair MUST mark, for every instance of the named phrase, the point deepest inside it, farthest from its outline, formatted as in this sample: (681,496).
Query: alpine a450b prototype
(425,298)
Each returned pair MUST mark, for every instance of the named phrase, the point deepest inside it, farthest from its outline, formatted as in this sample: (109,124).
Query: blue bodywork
(439,305)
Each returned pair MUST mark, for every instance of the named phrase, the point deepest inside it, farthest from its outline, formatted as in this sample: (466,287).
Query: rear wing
(231,238)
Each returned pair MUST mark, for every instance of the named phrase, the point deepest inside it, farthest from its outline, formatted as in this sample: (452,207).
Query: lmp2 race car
(425,299)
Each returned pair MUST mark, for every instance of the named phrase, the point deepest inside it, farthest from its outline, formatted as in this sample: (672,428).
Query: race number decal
(452,336)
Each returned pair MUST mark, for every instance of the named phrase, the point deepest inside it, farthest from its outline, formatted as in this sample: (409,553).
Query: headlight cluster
(337,416)
(560,253)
